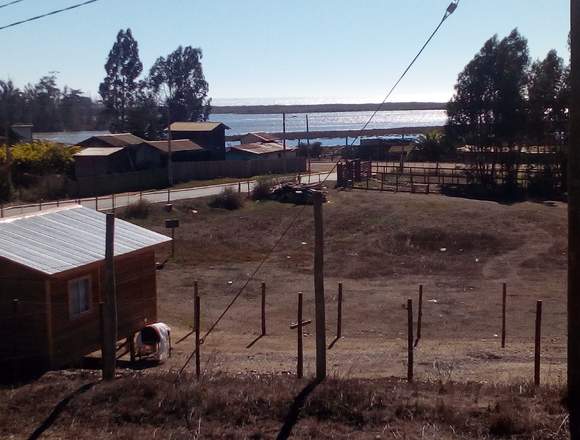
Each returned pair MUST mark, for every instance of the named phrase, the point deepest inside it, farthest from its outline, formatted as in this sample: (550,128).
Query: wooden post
(96,203)
(172,242)
(197,337)
(110,303)
(538,343)
(419,315)
(397,182)
(410,340)
(300,362)
(339,313)
(263,309)
(131,341)
(1,210)
(239,187)
(503,314)
(319,288)
(382,181)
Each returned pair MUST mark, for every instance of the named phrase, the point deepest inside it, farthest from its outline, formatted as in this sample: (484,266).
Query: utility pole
(574,227)
(109,324)
(284,141)
(308,143)
(319,287)
(169,155)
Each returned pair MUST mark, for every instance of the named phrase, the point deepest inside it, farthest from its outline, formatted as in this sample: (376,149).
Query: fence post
(2,210)
(503,315)
(197,341)
(263,309)
(239,187)
(96,203)
(113,202)
(410,340)
(397,182)
(419,315)
(382,181)
(339,313)
(300,362)
(538,343)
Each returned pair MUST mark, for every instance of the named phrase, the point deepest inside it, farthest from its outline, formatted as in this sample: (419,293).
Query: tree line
(174,89)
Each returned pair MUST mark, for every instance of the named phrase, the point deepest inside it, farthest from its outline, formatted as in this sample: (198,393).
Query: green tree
(145,118)
(547,98)
(11,105)
(180,85)
(119,87)
(42,103)
(488,111)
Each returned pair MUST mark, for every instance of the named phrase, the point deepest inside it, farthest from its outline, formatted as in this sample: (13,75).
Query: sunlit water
(240,124)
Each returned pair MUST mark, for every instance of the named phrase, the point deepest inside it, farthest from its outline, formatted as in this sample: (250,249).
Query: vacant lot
(381,246)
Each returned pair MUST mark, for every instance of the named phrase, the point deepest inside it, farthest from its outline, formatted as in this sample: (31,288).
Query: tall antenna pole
(574,227)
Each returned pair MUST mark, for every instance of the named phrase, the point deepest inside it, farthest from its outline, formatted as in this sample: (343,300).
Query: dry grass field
(381,246)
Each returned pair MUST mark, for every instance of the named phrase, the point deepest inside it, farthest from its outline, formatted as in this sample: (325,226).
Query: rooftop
(260,148)
(196,126)
(115,140)
(176,145)
(62,239)
(101,151)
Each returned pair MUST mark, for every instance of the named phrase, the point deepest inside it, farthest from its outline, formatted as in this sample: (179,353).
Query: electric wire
(38,17)
(10,3)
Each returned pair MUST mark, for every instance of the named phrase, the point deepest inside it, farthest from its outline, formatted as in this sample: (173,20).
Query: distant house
(385,148)
(112,140)
(51,283)
(17,133)
(182,150)
(252,138)
(209,135)
(259,151)
(115,153)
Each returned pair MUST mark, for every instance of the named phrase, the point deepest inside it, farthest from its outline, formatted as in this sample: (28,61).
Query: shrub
(263,188)
(138,209)
(228,199)
(5,186)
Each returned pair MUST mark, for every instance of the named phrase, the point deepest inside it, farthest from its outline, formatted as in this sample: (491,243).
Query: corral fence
(425,177)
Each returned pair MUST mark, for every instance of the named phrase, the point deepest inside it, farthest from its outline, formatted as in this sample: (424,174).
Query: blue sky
(321,50)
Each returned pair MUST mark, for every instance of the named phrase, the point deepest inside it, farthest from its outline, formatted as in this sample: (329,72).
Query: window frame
(71,314)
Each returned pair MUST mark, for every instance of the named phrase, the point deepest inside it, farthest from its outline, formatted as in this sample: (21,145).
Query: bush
(139,209)
(5,187)
(263,188)
(228,199)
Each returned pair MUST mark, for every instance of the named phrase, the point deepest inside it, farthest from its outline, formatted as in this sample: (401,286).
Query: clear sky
(321,50)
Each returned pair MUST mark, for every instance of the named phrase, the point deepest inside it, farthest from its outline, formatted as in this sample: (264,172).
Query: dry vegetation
(254,407)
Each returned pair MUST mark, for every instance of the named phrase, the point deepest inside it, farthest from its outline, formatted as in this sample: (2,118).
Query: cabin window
(79,297)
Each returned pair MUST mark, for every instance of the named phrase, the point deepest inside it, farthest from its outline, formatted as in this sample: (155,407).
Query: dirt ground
(381,246)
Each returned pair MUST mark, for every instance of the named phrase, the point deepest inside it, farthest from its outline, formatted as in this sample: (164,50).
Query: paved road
(107,203)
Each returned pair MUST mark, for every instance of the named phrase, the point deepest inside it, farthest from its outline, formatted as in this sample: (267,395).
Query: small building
(97,161)
(112,141)
(389,149)
(182,150)
(51,283)
(252,138)
(259,151)
(209,135)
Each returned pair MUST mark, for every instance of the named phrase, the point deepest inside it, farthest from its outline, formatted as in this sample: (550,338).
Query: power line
(38,17)
(450,9)
(10,3)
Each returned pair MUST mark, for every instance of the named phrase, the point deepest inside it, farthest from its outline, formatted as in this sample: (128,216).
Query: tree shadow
(294,412)
(255,341)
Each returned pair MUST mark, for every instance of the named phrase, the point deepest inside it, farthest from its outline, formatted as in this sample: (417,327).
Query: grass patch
(263,188)
(140,209)
(228,199)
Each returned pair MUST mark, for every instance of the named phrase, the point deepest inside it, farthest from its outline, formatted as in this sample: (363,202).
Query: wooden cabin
(52,278)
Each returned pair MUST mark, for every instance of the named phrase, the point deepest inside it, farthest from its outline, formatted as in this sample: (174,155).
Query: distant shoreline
(324,108)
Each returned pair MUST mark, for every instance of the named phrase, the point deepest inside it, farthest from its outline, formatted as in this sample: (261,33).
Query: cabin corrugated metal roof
(196,126)
(62,239)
